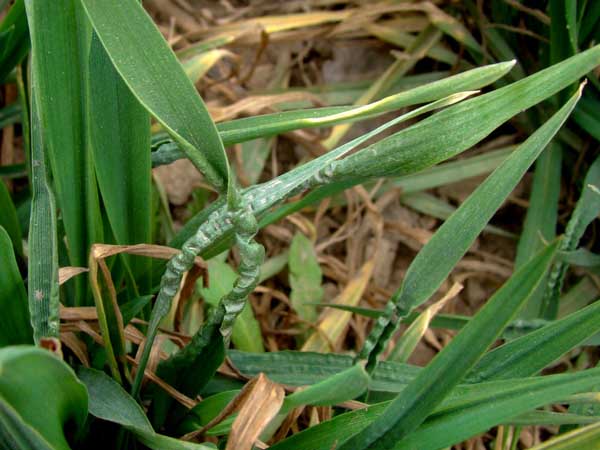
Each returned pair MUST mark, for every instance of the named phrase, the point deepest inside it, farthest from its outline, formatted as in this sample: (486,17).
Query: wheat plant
(103,99)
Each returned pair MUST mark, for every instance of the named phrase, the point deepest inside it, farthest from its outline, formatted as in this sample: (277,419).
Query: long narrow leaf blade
(436,380)
(152,72)
(43,245)
(527,355)
(455,236)
(455,129)
(469,410)
(59,49)
(120,139)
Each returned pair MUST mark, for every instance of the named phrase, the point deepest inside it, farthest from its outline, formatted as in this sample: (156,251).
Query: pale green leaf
(305,277)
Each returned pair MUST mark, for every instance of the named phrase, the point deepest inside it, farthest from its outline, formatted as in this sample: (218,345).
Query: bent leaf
(108,401)
(431,386)
(427,271)
(30,374)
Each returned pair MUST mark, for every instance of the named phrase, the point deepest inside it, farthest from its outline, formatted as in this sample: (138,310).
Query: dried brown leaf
(66,273)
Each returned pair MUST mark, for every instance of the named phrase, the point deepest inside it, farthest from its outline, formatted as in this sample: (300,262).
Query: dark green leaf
(527,355)
(9,220)
(108,401)
(421,396)
(120,139)
(150,69)
(15,41)
(60,42)
(15,327)
(33,378)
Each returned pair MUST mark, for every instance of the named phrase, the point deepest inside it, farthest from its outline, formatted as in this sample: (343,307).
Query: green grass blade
(453,171)
(305,277)
(436,207)
(10,114)
(120,139)
(571,22)
(452,427)
(468,411)
(560,45)
(582,258)
(541,217)
(109,401)
(205,411)
(15,327)
(427,38)
(439,175)
(15,43)
(150,69)
(578,296)
(60,39)
(295,368)
(338,388)
(43,241)
(549,418)
(527,355)
(419,399)
(246,129)
(32,374)
(455,129)
(586,210)
(455,236)
(249,128)
(590,20)
(9,220)
(586,116)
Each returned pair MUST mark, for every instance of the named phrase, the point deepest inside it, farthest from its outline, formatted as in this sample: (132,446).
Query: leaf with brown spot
(261,404)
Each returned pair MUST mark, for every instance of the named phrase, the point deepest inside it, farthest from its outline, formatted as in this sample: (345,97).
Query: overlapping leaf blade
(109,401)
(527,355)
(120,140)
(151,71)
(14,43)
(29,374)
(452,240)
(455,129)
(467,411)
(428,270)
(59,41)
(9,220)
